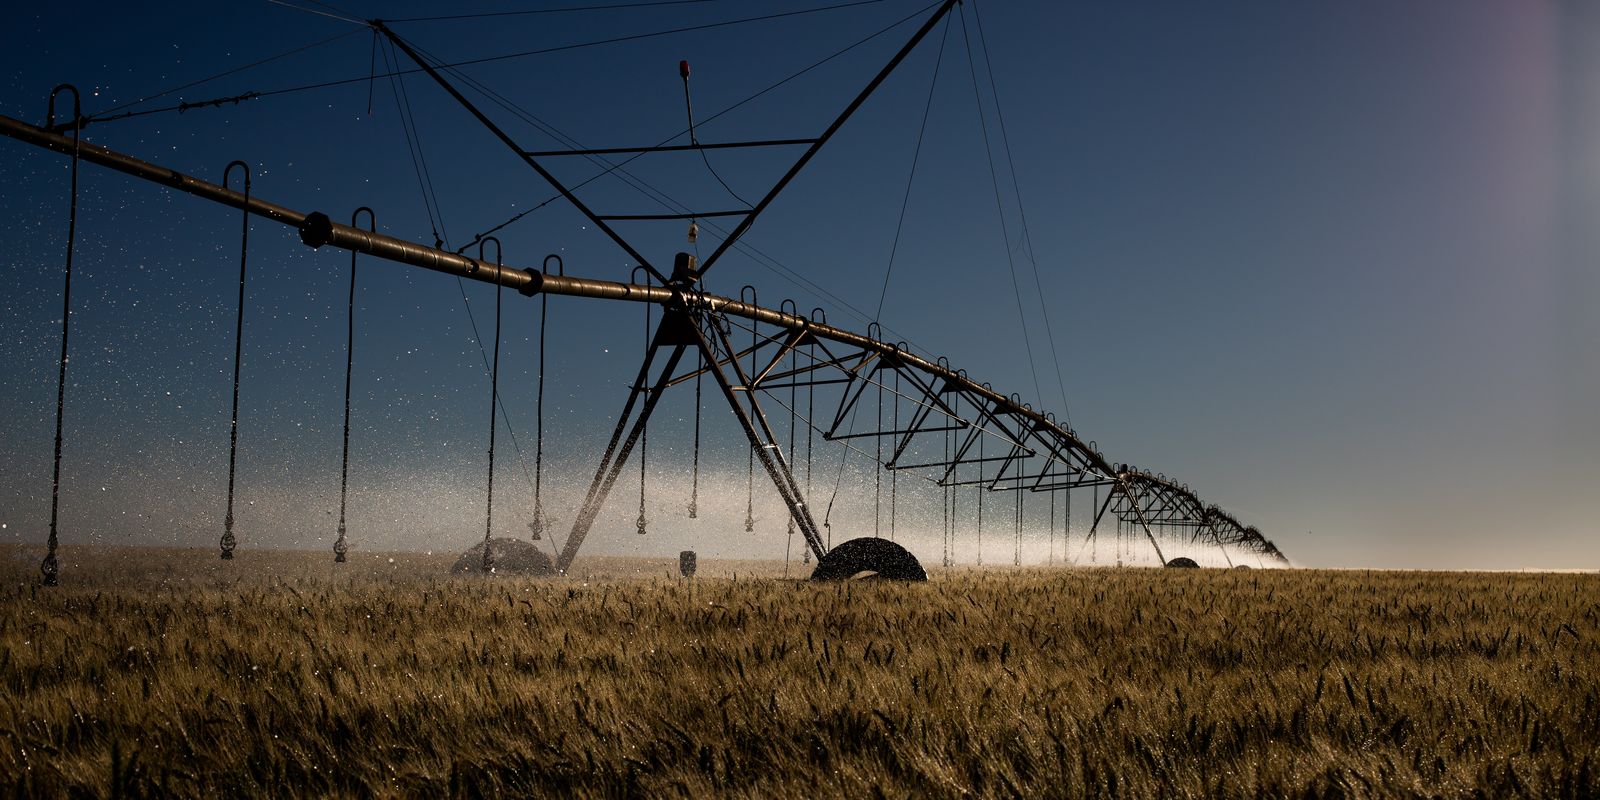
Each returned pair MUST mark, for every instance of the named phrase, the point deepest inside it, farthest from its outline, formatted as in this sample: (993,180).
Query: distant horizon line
(17,546)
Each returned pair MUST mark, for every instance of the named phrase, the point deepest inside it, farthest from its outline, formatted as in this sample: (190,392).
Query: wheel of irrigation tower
(506,557)
(1183,562)
(869,558)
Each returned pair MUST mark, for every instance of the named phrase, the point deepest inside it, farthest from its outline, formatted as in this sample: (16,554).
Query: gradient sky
(1331,264)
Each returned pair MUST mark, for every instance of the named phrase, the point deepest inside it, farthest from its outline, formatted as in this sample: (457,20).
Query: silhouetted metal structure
(955,431)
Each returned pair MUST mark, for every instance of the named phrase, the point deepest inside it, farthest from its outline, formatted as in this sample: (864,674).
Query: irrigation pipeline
(317,230)
(1141,496)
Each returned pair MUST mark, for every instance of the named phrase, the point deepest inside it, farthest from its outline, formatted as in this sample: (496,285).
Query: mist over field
(444,513)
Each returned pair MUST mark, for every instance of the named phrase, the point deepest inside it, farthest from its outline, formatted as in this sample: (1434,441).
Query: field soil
(281,674)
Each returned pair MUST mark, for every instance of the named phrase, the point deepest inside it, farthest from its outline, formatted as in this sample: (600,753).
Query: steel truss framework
(945,410)
(944,427)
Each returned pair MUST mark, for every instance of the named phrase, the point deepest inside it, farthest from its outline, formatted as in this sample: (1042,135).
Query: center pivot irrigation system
(930,419)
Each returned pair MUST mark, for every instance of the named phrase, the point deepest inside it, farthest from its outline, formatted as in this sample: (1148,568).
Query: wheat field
(167,672)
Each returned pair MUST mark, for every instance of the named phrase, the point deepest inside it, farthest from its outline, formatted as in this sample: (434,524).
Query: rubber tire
(883,559)
(1183,562)
(511,557)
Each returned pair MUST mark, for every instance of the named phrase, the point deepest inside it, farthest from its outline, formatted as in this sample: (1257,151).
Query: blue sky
(1331,264)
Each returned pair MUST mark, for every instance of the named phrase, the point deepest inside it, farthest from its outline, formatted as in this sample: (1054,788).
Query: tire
(869,558)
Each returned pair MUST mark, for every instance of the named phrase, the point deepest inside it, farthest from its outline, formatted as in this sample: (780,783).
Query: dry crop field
(281,674)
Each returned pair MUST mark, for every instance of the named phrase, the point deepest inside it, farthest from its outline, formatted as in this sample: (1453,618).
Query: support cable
(983,124)
(419,164)
(110,113)
(372,71)
(817,143)
(228,540)
(340,547)
(50,568)
(669,32)
(838,478)
(331,7)
(329,15)
(254,95)
(568,9)
(441,238)
(761,258)
(613,166)
(916,155)
(1027,237)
